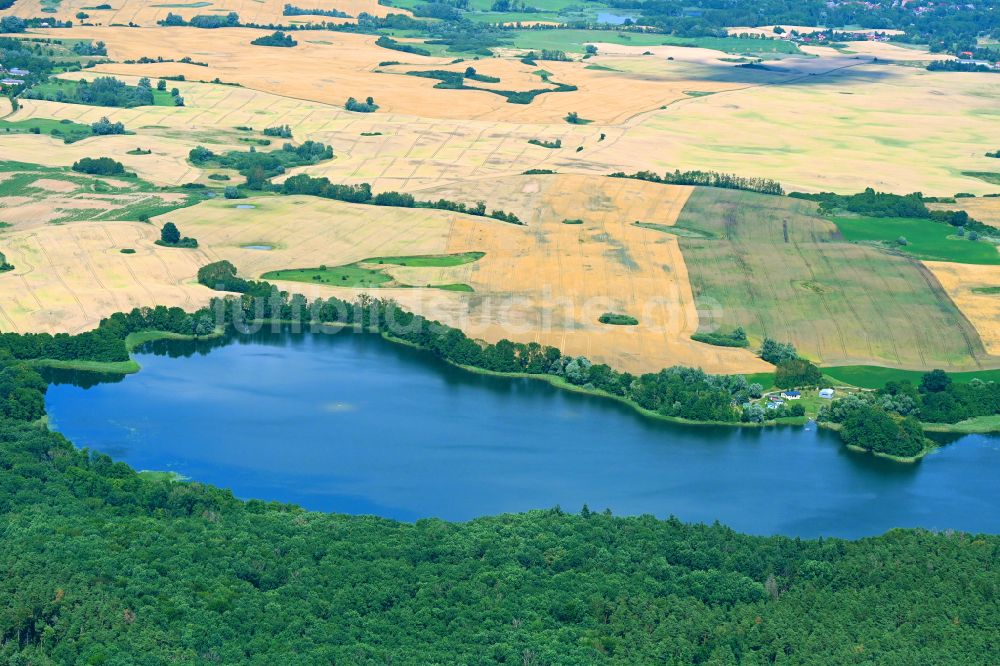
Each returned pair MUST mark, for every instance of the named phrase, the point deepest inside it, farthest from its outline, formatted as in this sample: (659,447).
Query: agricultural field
(921,238)
(774,267)
(984,209)
(752,107)
(32,195)
(147,13)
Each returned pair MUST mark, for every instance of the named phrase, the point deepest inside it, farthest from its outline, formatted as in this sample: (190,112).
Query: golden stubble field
(874,124)
(67,277)
(547,282)
(981,309)
(984,209)
(146,13)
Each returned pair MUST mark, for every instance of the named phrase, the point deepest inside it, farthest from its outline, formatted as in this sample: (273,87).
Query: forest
(107,566)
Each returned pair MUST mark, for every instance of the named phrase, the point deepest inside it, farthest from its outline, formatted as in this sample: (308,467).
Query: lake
(351,423)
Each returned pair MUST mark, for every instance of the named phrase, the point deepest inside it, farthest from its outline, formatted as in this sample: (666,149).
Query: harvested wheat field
(547,282)
(147,14)
(553,280)
(983,209)
(68,277)
(976,292)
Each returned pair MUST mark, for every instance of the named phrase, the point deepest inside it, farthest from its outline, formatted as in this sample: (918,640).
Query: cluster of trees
(277,38)
(387,42)
(4,264)
(105,343)
(103,91)
(362,193)
(112,564)
(796,372)
(368,106)
(872,429)
(99,166)
(709,179)
(88,48)
(170,236)
(546,144)
(775,352)
(221,276)
(959,66)
(22,391)
(104,126)
(282,131)
(257,166)
(471,73)
(736,338)
(885,204)
(791,370)
(887,420)
(292,10)
(548,54)
(995,153)
(230,20)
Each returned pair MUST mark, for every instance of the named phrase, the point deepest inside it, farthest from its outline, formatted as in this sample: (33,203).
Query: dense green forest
(106,566)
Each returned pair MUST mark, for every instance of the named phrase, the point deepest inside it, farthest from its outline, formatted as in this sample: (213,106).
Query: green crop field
(67,130)
(873,376)
(574,41)
(778,269)
(925,239)
(49,88)
(361,274)
(429,260)
(350,275)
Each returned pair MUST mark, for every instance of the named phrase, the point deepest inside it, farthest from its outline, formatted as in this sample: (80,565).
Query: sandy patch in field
(12,202)
(53,185)
(982,310)
(984,209)
(67,277)
(147,13)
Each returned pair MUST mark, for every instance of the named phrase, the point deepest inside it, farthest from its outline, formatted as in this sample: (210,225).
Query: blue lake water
(612,19)
(351,423)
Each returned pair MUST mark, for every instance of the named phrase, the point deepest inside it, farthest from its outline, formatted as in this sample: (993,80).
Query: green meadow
(925,239)
(67,130)
(360,274)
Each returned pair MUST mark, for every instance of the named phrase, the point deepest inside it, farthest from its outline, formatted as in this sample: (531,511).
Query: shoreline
(986,425)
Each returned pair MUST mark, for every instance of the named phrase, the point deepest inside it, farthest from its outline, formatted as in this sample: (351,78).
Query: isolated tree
(170,234)
(161,85)
(935,381)
(902,241)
